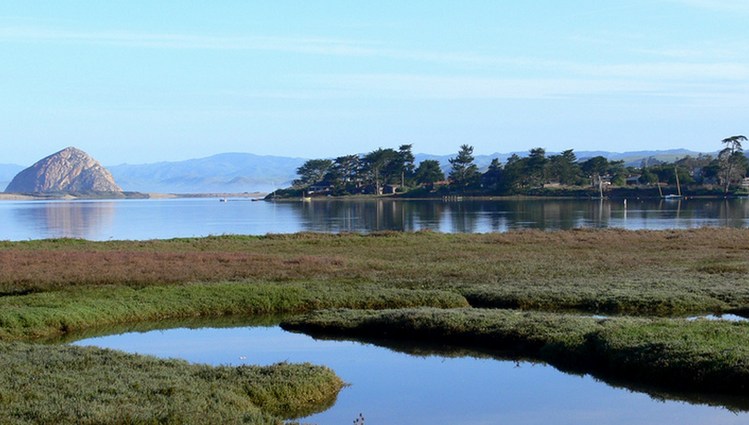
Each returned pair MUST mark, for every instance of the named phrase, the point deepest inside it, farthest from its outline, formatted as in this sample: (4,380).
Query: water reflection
(504,215)
(401,383)
(734,403)
(169,218)
(71,219)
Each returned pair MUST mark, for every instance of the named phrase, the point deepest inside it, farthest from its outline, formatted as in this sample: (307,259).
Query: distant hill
(7,172)
(70,170)
(226,172)
(634,159)
(631,159)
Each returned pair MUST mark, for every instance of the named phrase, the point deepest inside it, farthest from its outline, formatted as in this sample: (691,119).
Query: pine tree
(464,173)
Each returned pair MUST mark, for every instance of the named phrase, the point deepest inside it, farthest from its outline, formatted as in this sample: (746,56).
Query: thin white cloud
(667,71)
(551,78)
(357,48)
(726,48)
(313,45)
(731,6)
(413,86)
(301,45)
(694,53)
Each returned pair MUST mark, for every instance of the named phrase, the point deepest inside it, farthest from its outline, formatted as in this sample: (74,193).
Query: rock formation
(69,171)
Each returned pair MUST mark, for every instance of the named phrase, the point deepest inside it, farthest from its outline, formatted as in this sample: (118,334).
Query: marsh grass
(384,280)
(702,355)
(49,314)
(76,385)
(647,272)
(135,390)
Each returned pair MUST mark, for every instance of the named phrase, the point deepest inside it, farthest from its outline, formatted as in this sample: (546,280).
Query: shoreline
(123,195)
(263,196)
(459,198)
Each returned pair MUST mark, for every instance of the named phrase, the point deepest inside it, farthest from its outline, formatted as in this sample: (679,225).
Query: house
(319,189)
(633,180)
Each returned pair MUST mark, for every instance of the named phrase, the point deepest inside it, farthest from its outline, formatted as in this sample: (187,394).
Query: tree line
(393,170)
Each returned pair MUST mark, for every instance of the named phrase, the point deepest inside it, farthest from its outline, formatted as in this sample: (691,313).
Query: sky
(144,81)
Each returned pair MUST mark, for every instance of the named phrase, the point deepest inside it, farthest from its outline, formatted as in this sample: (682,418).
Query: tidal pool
(434,386)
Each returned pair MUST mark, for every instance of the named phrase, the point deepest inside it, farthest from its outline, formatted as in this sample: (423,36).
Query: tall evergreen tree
(464,174)
(345,174)
(512,175)
(380,169)
(429,172)
(594,168)
(535,167)
(491,179)
(406,163)
(312,171)
(564,168)
(731,160)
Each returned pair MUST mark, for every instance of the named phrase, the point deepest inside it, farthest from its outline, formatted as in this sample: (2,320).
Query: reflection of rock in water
(76,219)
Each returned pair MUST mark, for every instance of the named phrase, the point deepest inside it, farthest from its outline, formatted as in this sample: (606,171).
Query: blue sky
(144,81)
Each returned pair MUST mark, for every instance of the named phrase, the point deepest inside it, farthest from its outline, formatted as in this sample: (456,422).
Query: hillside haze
(7,172)
(222,173)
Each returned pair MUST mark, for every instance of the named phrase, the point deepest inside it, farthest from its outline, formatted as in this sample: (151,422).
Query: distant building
(319,189)
(633,180)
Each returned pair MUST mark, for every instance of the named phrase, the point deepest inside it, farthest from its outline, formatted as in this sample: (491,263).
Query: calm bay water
(391,387)
(168,218)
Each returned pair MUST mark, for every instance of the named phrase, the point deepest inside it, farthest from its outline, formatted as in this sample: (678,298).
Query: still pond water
(169,218)
(392,387)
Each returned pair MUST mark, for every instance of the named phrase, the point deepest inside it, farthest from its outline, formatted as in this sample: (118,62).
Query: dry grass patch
(700,263)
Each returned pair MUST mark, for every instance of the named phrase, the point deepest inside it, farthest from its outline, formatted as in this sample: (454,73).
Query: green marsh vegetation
(707,355)
(531,293)
(640,272)
(66,384)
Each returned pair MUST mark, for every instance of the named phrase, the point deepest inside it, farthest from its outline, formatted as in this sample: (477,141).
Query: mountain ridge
(633,158)
(238,172)
(223,172)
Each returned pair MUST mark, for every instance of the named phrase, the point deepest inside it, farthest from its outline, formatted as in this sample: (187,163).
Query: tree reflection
(482,216)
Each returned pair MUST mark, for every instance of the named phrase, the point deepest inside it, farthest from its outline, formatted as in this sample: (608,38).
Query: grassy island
(609,302)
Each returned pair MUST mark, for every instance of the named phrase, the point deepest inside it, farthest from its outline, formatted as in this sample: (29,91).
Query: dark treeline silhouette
(390,171)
